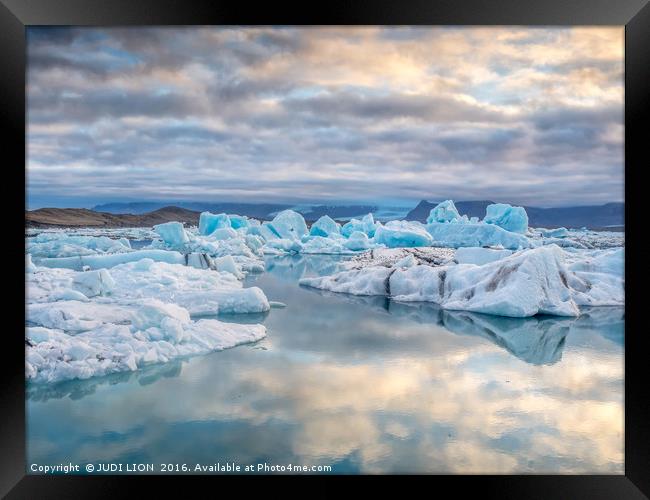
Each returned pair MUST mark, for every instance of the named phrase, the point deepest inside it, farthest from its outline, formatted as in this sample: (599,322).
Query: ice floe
(60,244)
(158,332)
(89,323)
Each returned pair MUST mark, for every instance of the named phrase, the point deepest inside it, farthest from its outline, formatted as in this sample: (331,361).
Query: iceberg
(403,234)
(289,225)
(444,212)
(208,222)
(366,225)
(172,233)
(239,221)
(514,219)
(475,235)
(326,227)
(535,281)
(358,241)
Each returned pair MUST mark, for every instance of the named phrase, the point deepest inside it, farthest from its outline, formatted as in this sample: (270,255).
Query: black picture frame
(16,15)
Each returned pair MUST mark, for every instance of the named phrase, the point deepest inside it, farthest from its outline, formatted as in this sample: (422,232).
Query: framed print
(381,240)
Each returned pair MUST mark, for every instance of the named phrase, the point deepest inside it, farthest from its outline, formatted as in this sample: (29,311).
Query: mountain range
(141,214)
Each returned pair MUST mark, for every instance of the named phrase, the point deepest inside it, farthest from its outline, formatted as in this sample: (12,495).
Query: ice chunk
(109,261)
(239,221)
(282,245)
(29,265)
(325,226)
(559,232)
(479,256)
(322,245)
(358,241)
(514,219)
(444,212)
(93,283)
(227,264)
(289,225)
(403,234)
(224,233)
(475,235)
(172,233)
(366,225)
(208,222)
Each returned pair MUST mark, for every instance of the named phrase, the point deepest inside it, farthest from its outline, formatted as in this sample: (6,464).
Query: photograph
(325,250)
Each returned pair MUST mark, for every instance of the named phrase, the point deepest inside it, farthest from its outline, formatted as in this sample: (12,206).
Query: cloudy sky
(382,115)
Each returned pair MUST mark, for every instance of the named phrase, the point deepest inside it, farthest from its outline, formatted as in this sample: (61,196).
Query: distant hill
(264,211)
(261,210)
(78,217)
(593,217)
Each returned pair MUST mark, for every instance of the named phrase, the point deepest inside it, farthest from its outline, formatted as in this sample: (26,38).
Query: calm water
(364,385)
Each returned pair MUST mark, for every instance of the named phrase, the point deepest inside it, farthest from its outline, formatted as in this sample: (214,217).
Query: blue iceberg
(445,212)
(325,227)
(506,216)
(366,225)
(475,235)
(172,233)
(400,233)
(288,225)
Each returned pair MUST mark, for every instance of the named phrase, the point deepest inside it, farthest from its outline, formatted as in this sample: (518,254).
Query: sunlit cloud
(525,115)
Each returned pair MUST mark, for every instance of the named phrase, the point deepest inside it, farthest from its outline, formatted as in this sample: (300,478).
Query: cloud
(326,114)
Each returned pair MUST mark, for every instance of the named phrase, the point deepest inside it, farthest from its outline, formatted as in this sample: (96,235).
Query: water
(363,385)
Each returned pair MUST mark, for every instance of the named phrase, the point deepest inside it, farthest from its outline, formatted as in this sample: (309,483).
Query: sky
(385,115)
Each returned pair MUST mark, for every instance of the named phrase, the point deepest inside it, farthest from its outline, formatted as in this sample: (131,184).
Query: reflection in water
(363,384)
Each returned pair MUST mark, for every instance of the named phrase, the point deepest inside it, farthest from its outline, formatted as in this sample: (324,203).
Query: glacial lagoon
(361,384)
